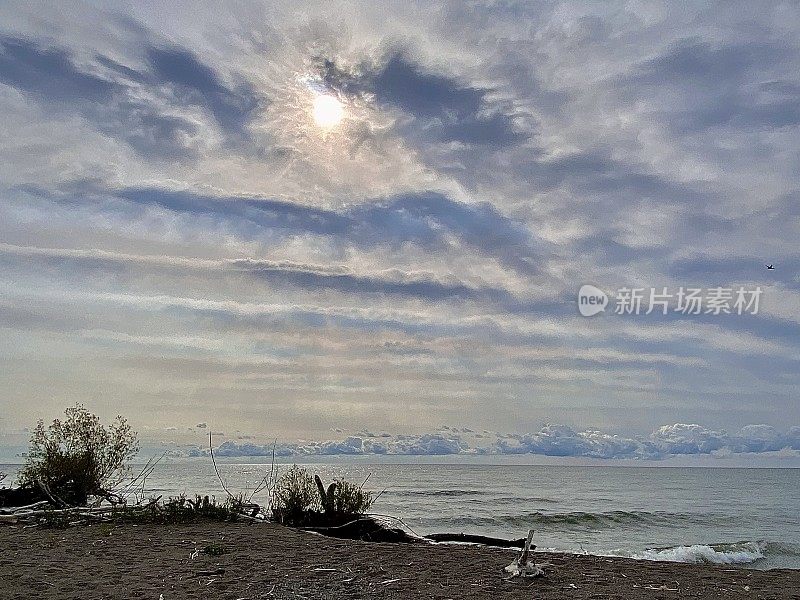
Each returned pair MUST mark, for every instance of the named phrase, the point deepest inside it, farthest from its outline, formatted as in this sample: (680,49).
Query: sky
(362,227)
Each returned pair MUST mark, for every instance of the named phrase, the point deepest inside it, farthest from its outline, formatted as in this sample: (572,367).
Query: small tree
(79,457)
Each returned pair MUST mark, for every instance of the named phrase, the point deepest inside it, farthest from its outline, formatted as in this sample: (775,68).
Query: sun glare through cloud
(328,111)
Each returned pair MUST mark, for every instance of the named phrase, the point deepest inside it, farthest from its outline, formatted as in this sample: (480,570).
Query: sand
(273,562)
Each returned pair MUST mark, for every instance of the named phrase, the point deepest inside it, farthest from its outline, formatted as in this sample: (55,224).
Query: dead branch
(216,470)
(46,491)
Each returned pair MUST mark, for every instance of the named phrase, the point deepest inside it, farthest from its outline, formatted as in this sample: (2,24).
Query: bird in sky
(770,267)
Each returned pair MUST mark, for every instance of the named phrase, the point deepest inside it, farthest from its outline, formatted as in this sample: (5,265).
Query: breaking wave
(739,553)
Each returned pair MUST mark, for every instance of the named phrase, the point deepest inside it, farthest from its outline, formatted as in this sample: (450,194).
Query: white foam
(732,554)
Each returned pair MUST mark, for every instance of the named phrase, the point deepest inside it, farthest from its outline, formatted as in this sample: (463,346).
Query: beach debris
(467,538)
(522,566)
(51,513)
(368,528)
(327,497)
(210,573)
(660,588)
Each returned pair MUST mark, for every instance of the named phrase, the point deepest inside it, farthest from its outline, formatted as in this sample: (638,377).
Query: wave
(781,548)
(586,520)
(739,553)
(480,496)
(524,499)
(607,519)
(435,493)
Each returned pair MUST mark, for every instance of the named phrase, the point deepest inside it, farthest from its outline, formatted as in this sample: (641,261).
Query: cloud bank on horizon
(180,241)
(680,439)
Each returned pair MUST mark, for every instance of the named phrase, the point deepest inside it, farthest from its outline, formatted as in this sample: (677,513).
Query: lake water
(748,517)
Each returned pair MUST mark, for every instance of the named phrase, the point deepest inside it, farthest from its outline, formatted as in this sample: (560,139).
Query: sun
(328,111)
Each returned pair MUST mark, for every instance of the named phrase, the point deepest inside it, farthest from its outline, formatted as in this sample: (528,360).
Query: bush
(78,457)
(180,509)
(350,499)
(295,495)
(300,499)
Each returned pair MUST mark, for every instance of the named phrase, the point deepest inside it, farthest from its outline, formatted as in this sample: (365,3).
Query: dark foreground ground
(268,561)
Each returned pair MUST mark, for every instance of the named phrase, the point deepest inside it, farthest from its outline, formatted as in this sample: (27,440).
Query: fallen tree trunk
(477,539)
(371,529)
(366,529)
(13,509)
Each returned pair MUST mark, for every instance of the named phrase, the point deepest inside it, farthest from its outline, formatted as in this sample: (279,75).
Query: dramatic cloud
(183,243)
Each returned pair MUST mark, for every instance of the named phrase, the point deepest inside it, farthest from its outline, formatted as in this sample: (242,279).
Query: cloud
(720,85)
(51,77)
(193,82)
(681,438)
(765,438)
(50,74)
(146,110)
(279,274)
(560,440)
(422,445)
(695,439)
(678,439)
(428,220)
(442,109)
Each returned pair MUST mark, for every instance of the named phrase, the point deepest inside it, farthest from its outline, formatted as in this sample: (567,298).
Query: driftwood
(33,517)
(478,539)
(37,514)
(4,511)
(522,566)
(326,497)
(377,528)
(366,529)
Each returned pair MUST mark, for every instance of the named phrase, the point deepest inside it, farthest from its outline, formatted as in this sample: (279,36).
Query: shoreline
(271,561)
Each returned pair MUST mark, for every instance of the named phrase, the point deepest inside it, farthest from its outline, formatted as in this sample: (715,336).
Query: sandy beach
(269,561)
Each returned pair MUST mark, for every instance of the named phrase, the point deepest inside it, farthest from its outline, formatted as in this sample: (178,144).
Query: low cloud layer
(552,440)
